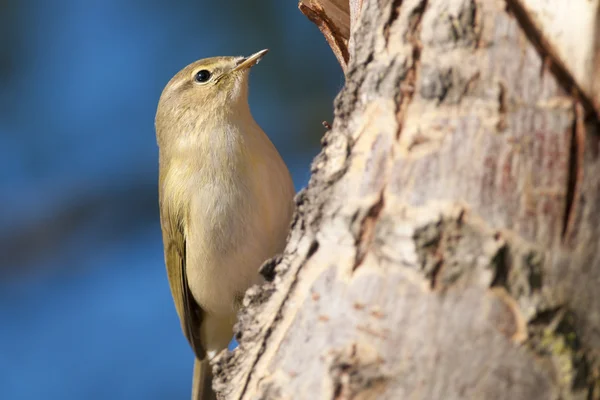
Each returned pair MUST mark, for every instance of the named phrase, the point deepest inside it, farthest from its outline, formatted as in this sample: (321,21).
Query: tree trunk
(447,244)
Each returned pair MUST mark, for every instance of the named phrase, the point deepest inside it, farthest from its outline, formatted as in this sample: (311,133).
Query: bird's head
(206,92)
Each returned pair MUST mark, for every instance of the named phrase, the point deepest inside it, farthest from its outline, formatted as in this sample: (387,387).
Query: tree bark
(447,244)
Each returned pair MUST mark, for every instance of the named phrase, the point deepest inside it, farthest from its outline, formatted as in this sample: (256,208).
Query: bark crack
(477,23)
(393,16)
(501,125)
(575,173)
(501,264)
(439,261)
(367,231)
(408,86)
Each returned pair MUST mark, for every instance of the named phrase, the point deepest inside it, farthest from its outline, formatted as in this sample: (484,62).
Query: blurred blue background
(85,309)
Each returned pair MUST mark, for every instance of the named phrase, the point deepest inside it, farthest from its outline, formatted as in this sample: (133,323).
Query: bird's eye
(202,76)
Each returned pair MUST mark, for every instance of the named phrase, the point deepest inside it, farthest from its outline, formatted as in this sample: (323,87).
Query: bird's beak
(249,61)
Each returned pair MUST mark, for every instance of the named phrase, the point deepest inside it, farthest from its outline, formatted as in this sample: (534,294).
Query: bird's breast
(237,220)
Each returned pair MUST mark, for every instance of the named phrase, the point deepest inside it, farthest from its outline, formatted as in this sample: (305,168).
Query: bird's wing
(190,313)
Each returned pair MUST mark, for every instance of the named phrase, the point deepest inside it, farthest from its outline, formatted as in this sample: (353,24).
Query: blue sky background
(85,309)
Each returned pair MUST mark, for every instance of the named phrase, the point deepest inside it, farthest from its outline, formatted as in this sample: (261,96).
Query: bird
(226,200)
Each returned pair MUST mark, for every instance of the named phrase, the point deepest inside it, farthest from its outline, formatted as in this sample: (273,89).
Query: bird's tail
(202,382)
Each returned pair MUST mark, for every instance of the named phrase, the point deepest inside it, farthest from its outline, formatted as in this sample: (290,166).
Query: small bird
(226,201)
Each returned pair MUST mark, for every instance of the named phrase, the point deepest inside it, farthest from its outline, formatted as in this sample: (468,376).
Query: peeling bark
(568,35)
(335,19)
(446,246)
(336,31)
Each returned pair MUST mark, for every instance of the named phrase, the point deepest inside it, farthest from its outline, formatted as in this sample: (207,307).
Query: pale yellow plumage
(226,200)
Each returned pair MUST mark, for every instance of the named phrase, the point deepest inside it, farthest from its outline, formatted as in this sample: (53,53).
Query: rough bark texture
(447,244)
